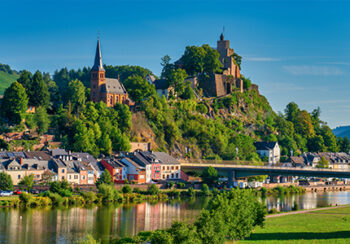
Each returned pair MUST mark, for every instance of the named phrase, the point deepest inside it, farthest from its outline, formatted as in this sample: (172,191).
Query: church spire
(98,66)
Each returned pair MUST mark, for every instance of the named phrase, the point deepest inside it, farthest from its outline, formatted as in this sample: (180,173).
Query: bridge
(238,171)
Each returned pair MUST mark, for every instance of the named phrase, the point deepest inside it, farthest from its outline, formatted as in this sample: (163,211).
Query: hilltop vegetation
(186,124)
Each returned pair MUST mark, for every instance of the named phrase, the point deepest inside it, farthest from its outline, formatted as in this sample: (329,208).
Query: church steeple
(98,66)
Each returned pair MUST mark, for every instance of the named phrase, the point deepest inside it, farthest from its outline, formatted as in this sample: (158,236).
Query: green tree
(237,59)
(14,103)
(27,181)
(38,91)
(231,215)
(323,163)
(5,182)
(42,120)
(344,144)
(316,144)
(211,60)
(330,140)
(4,145)
(76,95)
(138,88)
(105,178)
(105,144)
(210,175)
(25,79)
(81,137)
(292,111)
(152,189)
(161,237)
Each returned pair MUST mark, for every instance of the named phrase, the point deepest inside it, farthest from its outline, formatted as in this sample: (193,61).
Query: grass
(6,80)
(323,226)
(8,197)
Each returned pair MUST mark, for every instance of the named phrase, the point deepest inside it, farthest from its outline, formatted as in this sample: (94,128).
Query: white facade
(273,154)
(170,171)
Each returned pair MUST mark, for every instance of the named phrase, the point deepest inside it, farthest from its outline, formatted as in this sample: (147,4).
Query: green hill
(5,80)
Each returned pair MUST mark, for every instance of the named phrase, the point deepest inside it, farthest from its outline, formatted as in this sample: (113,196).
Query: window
(62,177)
(168,168)
(83,177)
(167,176)
(172,167)
(62,170)
(177,175)
(101,75)
(19,176)
(76,177)
(70,177)
(177,167)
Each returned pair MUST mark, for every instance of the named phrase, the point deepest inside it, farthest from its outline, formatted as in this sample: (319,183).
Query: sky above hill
(294,50)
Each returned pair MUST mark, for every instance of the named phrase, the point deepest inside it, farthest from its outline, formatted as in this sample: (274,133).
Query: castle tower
(223,47)
(98,77)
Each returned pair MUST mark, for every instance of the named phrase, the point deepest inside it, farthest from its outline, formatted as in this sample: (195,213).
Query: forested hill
(7,76)
(342,131)
(187,124)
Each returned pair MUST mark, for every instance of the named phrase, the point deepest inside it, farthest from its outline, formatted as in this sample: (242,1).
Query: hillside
(7,76)
(342,131)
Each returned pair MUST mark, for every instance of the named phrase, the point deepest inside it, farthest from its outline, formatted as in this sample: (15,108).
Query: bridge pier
(231,177)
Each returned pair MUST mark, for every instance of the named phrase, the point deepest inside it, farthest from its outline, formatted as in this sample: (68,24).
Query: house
(152,166)
(135,172)
(150,78)
(163,88)
(108,90)
(117,169)
(271,150)
(170,167)
(297,161)
(57,166)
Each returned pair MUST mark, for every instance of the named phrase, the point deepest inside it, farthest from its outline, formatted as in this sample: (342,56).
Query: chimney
(21,161)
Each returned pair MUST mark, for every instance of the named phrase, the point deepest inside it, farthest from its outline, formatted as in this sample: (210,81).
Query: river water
(110,222)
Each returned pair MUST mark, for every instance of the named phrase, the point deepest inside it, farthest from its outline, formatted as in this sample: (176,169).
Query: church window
(101,75)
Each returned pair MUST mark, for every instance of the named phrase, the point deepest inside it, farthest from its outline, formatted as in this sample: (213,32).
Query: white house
(150,78)
(271,150)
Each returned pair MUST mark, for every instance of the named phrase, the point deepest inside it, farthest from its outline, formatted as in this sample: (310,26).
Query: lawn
(324,226)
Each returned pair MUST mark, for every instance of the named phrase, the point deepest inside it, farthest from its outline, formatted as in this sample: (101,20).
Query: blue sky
(294,50)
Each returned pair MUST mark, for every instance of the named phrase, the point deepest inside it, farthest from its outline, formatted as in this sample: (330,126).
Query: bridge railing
(233,165)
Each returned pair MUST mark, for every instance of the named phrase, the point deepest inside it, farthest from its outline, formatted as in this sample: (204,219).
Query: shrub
(65,193)
(116,196)
(137,190)
(26,198)
(206,190)
(43,201)
(161,237)
(181,185)
(89,239)
(55,198)
(191,192)
(127,189)
(215,191)
(106,192)
(152,190)
(263,191)
(89,196)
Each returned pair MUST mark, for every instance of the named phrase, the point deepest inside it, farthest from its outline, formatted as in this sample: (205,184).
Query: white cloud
(313,70)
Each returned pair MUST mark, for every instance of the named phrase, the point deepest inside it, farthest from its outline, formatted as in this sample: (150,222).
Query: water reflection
(307,200)
(109,222)
(105,223)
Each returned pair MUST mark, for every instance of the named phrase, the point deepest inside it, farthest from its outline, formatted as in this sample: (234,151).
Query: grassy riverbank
(322,226)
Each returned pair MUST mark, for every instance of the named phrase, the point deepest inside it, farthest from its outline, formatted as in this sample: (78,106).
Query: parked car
(34,191)
(17,192)
(6,193)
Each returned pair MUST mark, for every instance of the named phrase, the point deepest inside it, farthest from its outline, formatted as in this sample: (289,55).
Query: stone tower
(98,78)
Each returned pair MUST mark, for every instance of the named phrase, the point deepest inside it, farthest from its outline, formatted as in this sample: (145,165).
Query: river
(109,222)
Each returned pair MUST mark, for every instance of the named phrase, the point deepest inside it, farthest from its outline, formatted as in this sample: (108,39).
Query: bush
(107,192)
(89,196)
(55,198)
(152,190)
(137,190)
(127,189)
(206,190)
(191,192)
(181,185)
(43,201)
(26,198)
(65,193)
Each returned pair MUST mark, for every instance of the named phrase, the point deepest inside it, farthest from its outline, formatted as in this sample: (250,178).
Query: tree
(138,88)
(323,163)
(105,144)
(344,144)
(237,60)
(292,111)
(4,145)
(330,140)
(161,237)
(316,144)
(231,215)
(14,103)
(210,175)
(304,125)
(42,120)
(81,140)
(211,60)
(152,189)
(176,79)
(105,178)
(25,79)
(76,95)
(27,181)
(38,91)
(5,182)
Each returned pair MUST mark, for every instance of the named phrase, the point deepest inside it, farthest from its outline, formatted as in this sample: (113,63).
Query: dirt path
(303,211)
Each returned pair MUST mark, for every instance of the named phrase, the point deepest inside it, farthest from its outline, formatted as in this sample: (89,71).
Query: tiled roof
(165,158)
(113,86)
(265,145)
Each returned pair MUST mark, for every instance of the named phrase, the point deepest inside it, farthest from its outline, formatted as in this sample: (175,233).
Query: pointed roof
(98,66)
(222,37)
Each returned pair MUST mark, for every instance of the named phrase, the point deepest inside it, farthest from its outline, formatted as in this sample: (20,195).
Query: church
(108,90)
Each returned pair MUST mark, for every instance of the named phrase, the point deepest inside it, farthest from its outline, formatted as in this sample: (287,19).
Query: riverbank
(327,225)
